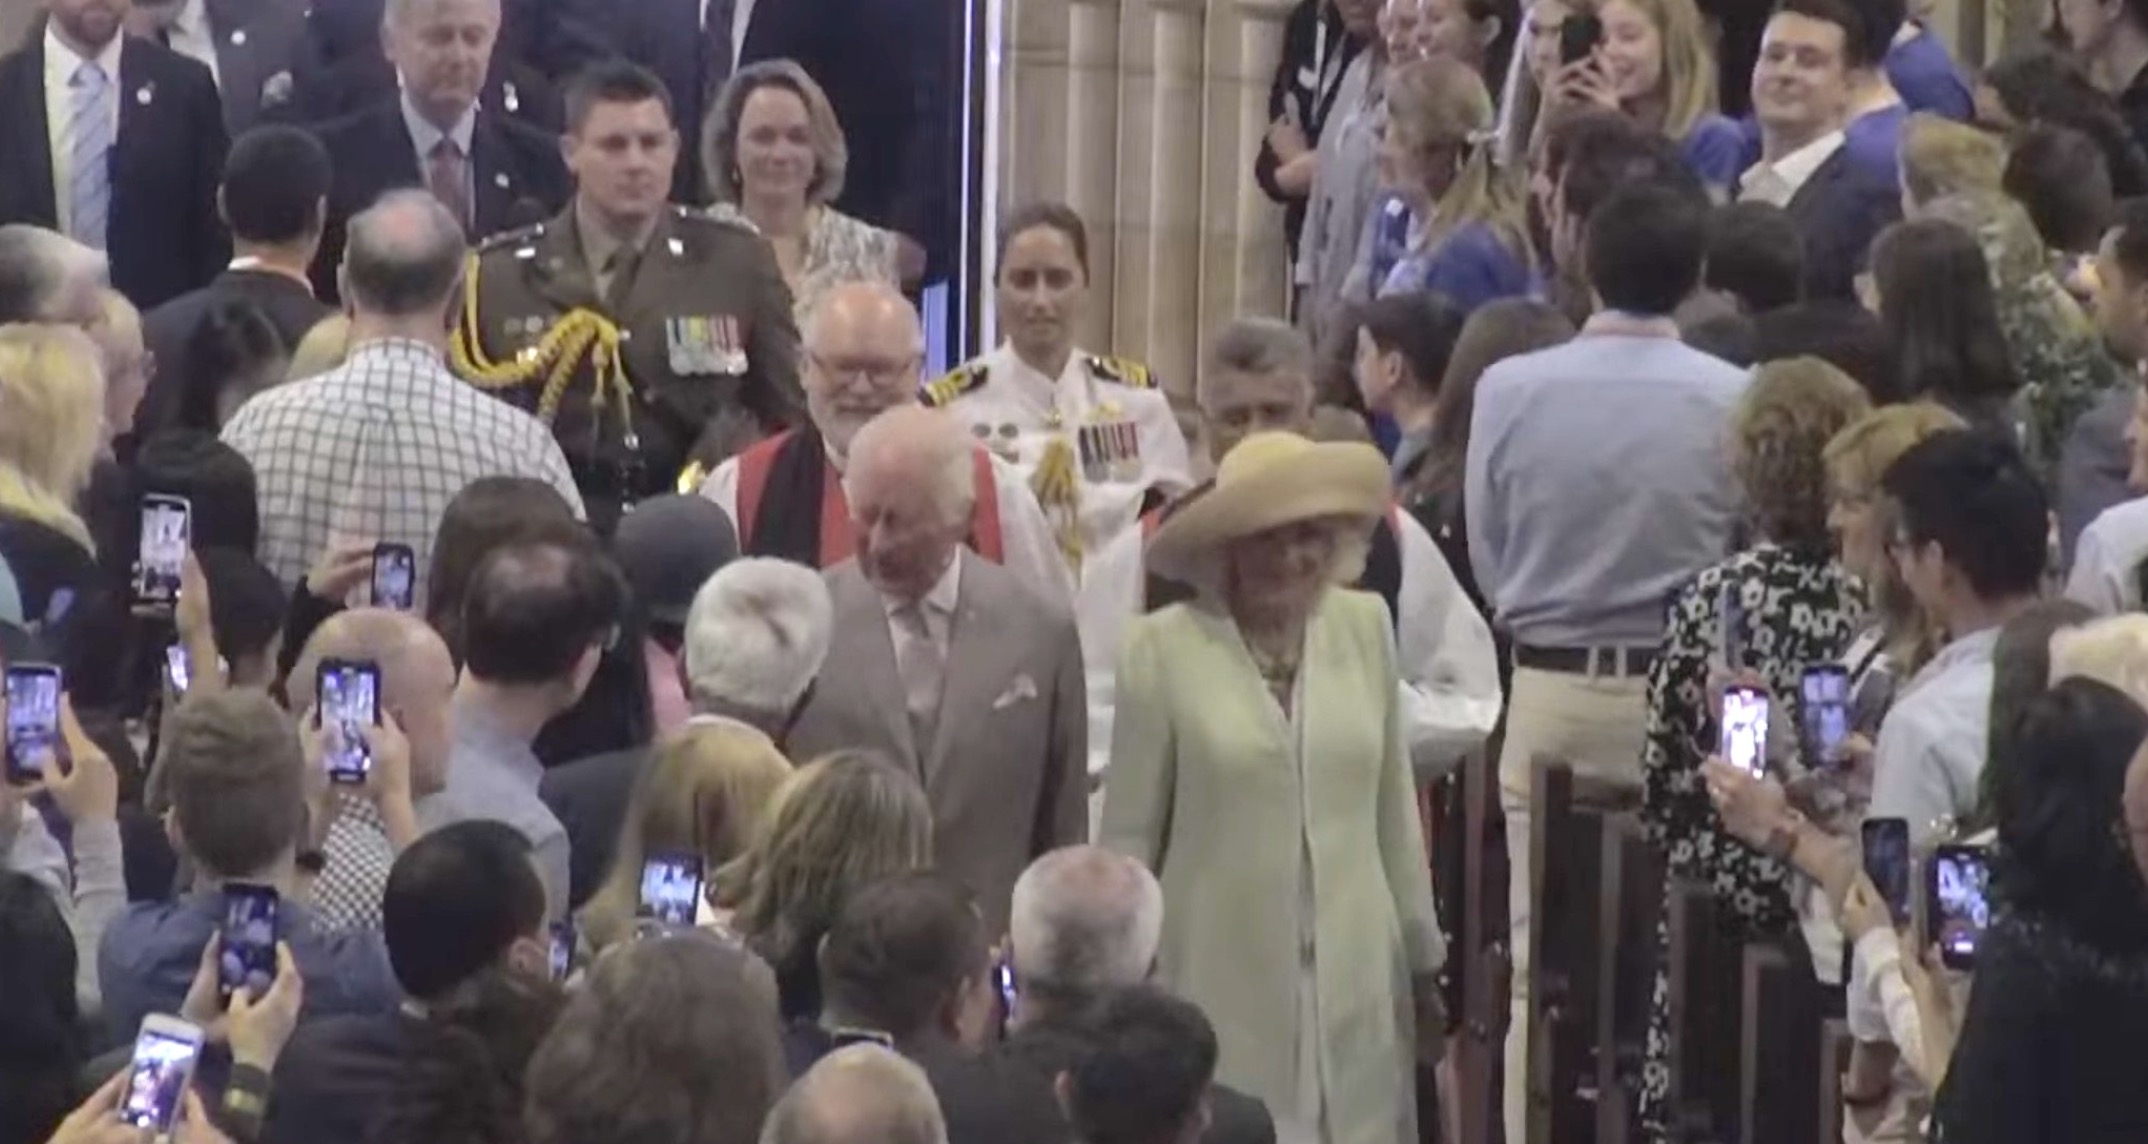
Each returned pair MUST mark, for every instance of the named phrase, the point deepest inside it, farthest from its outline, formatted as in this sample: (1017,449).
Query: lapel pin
(147,92)
(677,248)
(500,180)
(510,97)
(238,38)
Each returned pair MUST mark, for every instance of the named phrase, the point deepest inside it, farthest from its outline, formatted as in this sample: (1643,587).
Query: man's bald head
(417,680)
(1085,919)
(47,277)
(859,1094)
(404,258)
(864,347)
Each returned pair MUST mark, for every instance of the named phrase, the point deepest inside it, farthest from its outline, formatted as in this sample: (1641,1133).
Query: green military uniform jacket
(690,354)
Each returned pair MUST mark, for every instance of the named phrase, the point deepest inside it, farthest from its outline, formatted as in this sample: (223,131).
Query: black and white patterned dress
(1800,609)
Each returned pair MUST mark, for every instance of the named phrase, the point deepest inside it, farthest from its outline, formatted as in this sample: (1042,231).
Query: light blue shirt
(1930,755)
(493,775)
(424,136)
(1598,480)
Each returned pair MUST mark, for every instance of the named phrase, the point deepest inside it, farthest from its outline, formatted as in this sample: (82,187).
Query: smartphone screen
(1744,741)
(1886,846)
(1731,640)
(33,718)
(164,1056)
(562,950)
(349,702)
(395,576)
(167,533)
(1824,692)
(176,669)
(671,888)
(247,958)
(1959,906)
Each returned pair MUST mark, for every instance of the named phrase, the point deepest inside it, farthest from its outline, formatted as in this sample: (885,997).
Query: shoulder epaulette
(943,391)
(1125,371)
(720,215)
(523,236)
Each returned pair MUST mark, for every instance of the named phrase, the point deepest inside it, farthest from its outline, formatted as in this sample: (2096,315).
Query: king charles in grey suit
(944,661)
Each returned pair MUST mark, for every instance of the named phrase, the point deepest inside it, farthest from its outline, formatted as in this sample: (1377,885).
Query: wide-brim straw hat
(1267,481)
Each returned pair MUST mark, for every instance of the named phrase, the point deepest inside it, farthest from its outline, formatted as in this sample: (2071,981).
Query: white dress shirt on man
(61,64)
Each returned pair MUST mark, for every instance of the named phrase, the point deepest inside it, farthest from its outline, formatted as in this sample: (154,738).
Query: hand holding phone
(562,950)
(167,536)
(1744,732)
(1824,707)
(33,720)
(246,950)
(165,1053)
(1578,36)
(1886,862)
(395,576)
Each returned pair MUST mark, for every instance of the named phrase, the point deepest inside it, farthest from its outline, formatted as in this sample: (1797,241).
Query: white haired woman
(1258,768)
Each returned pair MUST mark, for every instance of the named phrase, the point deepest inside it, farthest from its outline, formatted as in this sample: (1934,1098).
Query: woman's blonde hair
(1942,157)
(51,420)
(837,823)
(2112,651)
(325,347)
(705,792)
(1781,426)
(719,133)
(1441,102)
(1856,459)
(1689,81)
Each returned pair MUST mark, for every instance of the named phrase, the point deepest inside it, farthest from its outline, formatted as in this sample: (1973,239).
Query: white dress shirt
(61,63)
(191,36)
(1779,182)
(424,136)
(938,606)
(741,16)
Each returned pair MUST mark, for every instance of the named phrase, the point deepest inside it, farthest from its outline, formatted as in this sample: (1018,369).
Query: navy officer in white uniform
(1093,435)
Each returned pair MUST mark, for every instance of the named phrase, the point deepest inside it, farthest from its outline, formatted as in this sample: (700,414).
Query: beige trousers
(1593,723)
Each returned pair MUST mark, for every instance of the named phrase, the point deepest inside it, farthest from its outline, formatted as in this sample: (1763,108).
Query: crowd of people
(520,653)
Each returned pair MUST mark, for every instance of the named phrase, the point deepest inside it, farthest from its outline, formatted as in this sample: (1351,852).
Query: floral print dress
(1800,609)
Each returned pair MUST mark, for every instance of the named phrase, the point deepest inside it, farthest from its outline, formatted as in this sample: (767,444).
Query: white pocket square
(1022,688)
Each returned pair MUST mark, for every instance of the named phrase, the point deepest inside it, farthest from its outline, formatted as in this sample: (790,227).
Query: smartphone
(1958,902)
(1744,742)
(1824,694)
(1730,641)
(1578,37)
(395,576)
(1875,696)
(1886,847)
(671,888)
(164,1055)
(1003,977)
(167,534)
(246,954)
(562,952)
(176,669)
(349,691)
(33,718)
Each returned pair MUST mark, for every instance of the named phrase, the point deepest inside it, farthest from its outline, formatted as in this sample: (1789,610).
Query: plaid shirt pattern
(375,450)
(348,893)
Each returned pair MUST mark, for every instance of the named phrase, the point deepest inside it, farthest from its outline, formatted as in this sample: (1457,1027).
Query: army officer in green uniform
(646,335)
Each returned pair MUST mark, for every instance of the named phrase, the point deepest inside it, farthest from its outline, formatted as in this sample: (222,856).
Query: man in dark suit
(1801,97)
(275,200)
(878,61)
(491,171)
(118,143)
(1085,923)
(250,46)
(343,68)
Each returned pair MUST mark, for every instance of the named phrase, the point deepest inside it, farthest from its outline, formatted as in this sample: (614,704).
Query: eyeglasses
(878,374)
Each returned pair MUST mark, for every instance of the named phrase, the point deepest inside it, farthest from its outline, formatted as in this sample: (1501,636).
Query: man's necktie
(716,54)
(447,175)
(923,667)
(89,155)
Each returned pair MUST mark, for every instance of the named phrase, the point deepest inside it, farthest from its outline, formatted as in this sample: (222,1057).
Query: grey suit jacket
(1007,774)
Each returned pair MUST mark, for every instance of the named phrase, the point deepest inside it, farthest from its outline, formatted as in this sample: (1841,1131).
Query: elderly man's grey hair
(404,257)
(399,11)
(757,635)
(46,276)
(1085,920)
(858,1094)
(913,443)
(1260,346)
